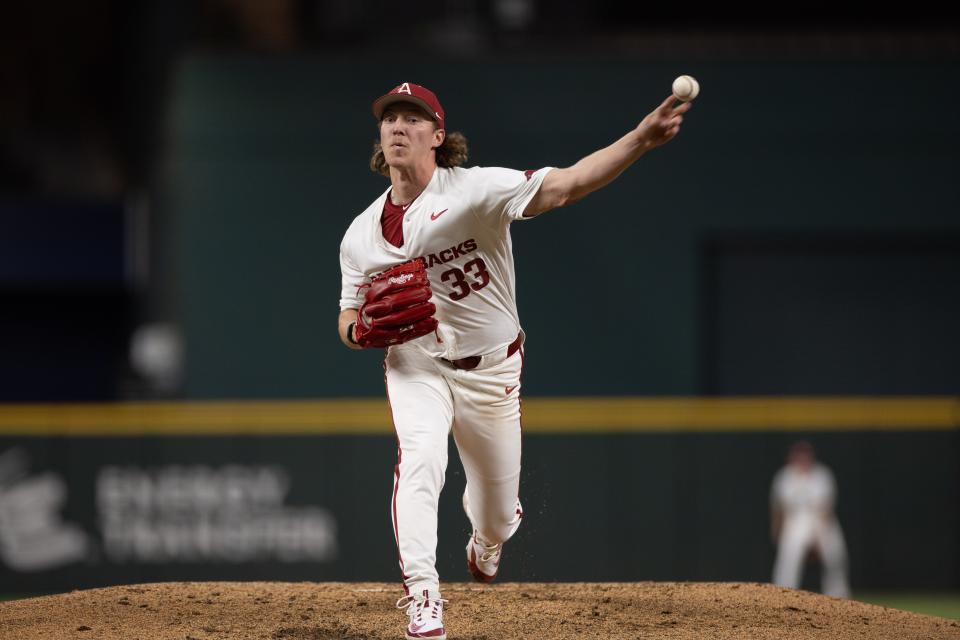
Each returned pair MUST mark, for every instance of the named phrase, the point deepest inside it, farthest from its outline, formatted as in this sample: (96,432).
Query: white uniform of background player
(803,497)
(465,377)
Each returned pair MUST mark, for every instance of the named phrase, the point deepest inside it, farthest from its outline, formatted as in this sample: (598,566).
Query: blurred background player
(803,521)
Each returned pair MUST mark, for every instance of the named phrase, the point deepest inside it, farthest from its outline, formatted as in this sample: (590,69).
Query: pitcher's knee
(500,528)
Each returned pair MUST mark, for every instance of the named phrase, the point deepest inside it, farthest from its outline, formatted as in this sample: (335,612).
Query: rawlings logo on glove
(401,279)
(396,307)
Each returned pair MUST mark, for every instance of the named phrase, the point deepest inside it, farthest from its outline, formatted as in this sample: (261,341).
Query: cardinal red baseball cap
(409,92)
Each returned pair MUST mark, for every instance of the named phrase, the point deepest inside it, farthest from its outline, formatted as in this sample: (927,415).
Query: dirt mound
(355,611)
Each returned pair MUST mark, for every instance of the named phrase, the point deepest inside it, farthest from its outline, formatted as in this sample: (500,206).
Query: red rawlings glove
(396,307)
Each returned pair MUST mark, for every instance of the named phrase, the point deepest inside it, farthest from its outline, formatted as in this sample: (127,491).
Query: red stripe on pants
(396,481)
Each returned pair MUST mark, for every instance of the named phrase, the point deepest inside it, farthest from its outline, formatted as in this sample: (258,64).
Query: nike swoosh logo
(415,628)
(509,389)
(434,216)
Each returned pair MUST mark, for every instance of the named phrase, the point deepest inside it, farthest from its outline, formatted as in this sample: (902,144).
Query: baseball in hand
(685,88)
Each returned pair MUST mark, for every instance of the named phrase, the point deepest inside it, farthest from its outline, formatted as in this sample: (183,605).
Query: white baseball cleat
(426,616)
(483,558)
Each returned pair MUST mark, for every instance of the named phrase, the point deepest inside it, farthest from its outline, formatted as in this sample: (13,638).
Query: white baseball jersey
(459,225)
(799,493)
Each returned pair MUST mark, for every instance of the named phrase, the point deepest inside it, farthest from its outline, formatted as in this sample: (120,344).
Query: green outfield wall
(638,289)
(621,488)
(803,241)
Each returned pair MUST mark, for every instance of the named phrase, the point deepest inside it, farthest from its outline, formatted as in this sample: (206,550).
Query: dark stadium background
(174,181)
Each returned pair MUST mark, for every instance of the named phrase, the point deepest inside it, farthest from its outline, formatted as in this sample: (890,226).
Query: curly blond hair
(452,153)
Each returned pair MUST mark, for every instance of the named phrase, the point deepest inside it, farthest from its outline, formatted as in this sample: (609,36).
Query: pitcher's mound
(355,611)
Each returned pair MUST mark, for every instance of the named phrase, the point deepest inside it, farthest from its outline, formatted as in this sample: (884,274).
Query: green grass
(942,604)
(19,596)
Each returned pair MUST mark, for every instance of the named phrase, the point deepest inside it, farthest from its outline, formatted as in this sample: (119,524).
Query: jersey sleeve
(502,195)
(776,491)
(351,277)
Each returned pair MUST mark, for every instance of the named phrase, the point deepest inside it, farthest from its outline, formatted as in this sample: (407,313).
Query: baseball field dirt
(355,611)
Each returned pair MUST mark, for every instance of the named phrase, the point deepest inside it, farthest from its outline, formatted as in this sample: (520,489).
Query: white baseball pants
(428,398)
(799,534)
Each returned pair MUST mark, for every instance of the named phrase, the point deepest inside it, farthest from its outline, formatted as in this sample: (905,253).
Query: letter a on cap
(404,88)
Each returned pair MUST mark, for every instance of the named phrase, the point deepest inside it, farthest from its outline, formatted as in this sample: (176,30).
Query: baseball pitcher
(427,274)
